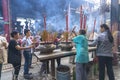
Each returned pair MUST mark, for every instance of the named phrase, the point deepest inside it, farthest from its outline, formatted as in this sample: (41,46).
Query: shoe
(27,76)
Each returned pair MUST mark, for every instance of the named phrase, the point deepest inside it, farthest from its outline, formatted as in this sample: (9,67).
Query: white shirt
(27,42)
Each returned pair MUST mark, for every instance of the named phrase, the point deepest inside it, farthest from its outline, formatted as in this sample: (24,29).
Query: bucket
(63,73)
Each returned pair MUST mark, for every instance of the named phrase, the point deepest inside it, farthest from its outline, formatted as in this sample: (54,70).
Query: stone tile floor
(7,71)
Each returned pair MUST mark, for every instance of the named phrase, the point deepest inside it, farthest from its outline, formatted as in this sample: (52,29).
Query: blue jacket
(81,49)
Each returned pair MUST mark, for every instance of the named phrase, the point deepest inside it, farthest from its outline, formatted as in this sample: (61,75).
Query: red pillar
(6,18)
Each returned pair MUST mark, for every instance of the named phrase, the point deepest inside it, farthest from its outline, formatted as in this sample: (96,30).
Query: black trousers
(105,62)
(16,67)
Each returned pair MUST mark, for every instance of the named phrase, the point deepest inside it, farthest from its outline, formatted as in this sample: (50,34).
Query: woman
(81,55)
(104,44)
(14,54)
(3,43)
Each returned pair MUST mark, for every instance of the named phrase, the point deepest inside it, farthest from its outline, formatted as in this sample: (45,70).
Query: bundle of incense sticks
(83,19)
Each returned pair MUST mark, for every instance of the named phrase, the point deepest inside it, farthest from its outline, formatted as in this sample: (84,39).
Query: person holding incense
(104,43)
(27,53)
(81,58)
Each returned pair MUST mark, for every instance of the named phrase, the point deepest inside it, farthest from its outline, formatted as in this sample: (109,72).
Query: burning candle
(45,22)
(81,17)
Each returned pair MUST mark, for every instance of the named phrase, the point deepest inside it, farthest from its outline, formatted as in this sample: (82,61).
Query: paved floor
(7,74)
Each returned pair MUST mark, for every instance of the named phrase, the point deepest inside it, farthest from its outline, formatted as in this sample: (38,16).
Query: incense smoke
(55,11)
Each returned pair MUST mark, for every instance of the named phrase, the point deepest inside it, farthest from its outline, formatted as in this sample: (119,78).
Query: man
(26,41)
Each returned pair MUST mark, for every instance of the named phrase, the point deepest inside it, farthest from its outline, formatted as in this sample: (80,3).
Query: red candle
(84,25)
(45,22)
(67,23)
(81,17)
(66,27)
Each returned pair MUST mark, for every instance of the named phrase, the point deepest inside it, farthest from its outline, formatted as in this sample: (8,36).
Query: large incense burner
(66,45)
(46,46)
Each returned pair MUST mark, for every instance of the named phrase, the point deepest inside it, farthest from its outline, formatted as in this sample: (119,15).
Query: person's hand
(73,31)
(34,40)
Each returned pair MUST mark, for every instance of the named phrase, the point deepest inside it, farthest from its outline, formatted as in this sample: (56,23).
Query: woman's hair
(110,37)
(13,33)
(26,31)
(82,32)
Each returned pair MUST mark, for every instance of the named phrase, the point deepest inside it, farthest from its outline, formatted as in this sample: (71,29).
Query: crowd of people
(14,49)
(104,55)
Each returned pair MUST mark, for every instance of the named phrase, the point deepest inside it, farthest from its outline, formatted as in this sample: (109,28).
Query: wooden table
(57,54)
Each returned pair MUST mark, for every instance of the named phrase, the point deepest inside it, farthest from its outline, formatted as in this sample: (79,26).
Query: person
(81,58)
(3,44)
(26,41)
(72,58)
(4,37)
(31,51)
(14,54)
(104,43)
(56,42)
